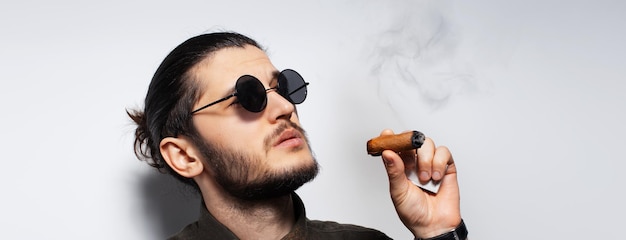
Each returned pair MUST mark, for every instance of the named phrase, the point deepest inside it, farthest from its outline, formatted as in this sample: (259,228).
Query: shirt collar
(209,226)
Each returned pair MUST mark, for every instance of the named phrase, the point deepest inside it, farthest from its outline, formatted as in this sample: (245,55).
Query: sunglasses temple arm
(213,103)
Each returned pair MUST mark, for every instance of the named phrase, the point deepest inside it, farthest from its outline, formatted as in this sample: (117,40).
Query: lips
(288,137)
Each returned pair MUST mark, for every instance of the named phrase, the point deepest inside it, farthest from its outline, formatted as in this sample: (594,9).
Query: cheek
(243,136)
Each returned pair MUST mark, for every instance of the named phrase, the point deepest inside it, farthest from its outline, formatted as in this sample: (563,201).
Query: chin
(274,184)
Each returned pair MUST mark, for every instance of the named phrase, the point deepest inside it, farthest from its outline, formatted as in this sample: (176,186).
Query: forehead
(221,69)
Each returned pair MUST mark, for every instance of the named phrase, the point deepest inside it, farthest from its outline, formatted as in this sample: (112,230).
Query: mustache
(267,142)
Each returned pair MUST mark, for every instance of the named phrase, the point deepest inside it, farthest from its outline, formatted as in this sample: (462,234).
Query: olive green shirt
(207,227)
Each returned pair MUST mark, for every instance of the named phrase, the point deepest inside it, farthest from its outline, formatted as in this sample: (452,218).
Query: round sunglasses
(252,95)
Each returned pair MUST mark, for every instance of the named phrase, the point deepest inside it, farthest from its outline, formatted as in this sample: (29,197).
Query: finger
(440,162)
(410,161)
(386,132)
(398,182)
(424,160)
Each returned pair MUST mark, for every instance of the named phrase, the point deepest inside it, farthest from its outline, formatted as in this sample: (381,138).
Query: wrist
(458,233)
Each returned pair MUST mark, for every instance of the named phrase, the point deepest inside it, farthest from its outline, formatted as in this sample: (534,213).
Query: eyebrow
(274,80)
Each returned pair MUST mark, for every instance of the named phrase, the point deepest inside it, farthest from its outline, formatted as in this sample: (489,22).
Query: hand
(424,213)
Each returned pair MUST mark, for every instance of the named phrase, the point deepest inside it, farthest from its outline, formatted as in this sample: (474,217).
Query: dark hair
(171,95)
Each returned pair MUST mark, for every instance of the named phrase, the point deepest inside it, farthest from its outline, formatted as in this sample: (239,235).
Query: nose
(278,107)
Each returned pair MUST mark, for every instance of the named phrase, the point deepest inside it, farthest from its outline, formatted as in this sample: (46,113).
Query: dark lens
(251,93)
(292,86)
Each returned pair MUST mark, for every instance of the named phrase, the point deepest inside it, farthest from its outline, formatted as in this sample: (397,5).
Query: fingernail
(424,175)
(436,175)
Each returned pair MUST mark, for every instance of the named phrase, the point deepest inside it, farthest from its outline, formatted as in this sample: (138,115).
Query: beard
(232,169)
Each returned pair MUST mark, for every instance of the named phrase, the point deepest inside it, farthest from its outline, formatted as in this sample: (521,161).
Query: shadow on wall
(168,204)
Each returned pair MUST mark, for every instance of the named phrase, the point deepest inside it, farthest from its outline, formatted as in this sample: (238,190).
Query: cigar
(397,143)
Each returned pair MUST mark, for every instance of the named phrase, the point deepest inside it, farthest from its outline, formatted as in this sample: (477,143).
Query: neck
(263,219)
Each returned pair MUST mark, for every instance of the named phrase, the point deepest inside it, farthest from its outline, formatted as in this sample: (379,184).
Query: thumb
(398,181)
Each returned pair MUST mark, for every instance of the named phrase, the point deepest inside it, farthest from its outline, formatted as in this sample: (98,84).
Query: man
(221,118)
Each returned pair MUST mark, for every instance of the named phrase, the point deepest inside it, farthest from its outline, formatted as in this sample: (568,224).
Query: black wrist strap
(459,233)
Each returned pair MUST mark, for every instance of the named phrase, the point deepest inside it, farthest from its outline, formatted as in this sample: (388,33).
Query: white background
(528,95)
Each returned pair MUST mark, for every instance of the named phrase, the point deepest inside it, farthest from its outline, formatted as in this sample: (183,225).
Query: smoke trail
(415,58)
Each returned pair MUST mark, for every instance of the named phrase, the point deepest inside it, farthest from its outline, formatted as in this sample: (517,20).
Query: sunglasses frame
(277,88)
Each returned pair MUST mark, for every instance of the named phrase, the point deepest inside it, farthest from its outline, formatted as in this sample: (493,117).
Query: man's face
(251,155)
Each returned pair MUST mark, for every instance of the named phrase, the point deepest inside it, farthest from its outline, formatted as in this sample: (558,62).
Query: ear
(181,155)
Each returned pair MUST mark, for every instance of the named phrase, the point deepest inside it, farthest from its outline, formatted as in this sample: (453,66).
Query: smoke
(414,59)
